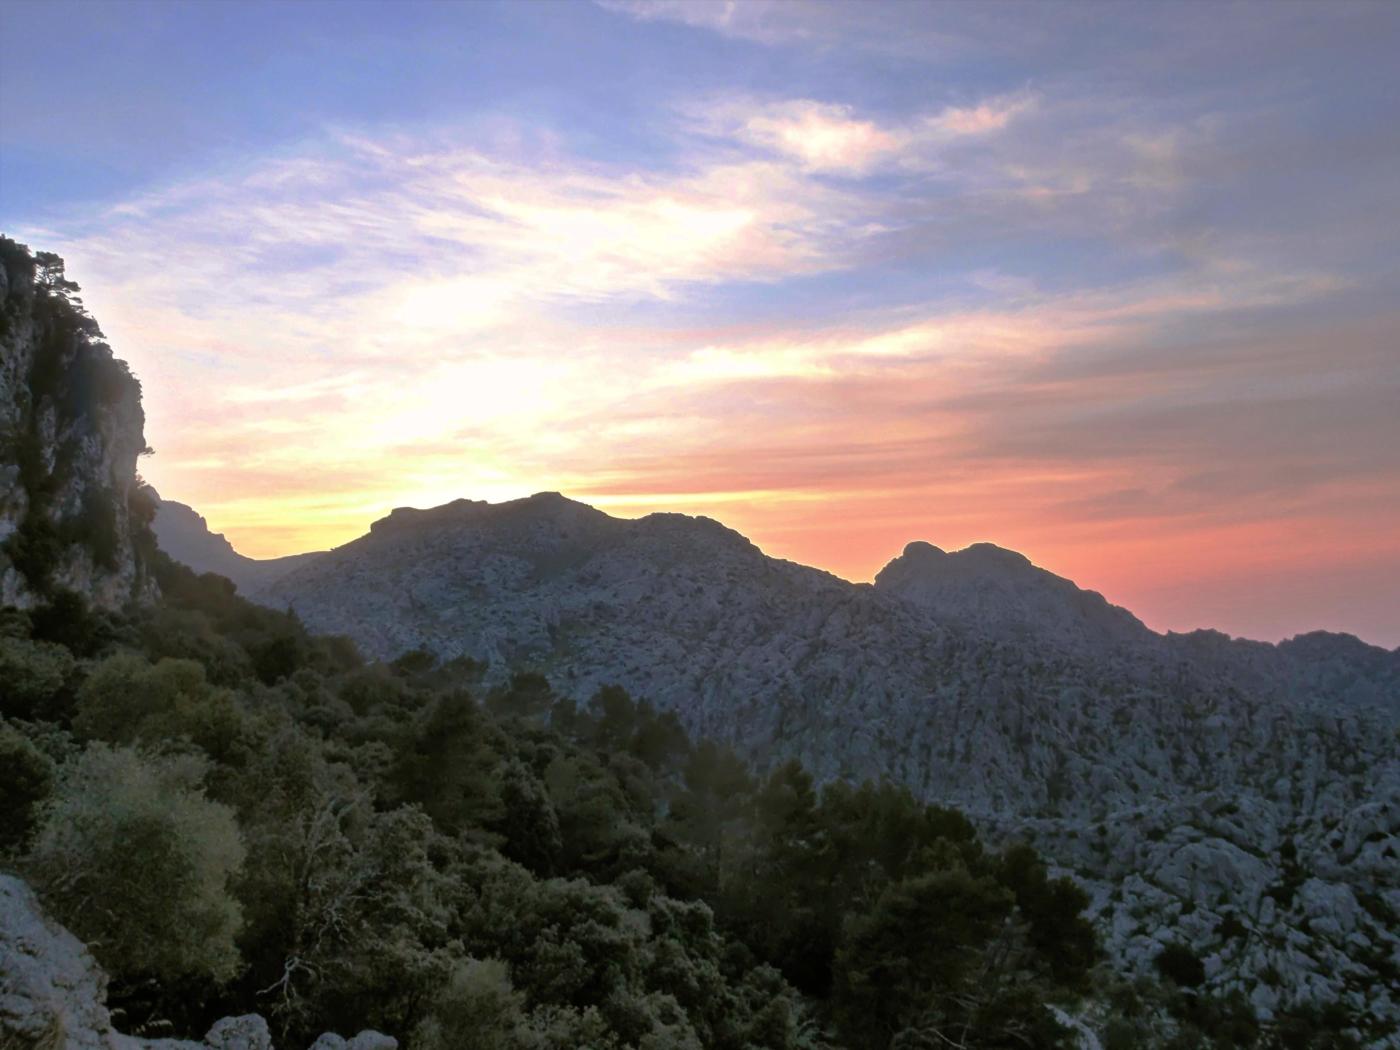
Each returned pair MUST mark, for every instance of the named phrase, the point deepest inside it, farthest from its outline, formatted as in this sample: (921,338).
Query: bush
(477,1009)
(26,777)
(132,858)
(1180,965)
(32,675)
(126,700)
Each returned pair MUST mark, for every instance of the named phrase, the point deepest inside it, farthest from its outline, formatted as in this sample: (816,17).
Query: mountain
(1239,798)
(72,514)
(1001,592)
(183,534)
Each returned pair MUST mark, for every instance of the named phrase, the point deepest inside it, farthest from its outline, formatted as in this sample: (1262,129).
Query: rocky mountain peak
(1000,591)
(540,508)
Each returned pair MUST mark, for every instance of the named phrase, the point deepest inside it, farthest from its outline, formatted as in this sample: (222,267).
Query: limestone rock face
(248,1032)
(52,994)
(1001,590)
(71,429)
(371,1040)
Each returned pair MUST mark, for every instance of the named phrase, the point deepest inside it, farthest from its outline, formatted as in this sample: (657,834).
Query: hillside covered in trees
(238,816)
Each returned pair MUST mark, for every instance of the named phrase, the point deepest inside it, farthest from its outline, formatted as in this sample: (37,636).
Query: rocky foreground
(53,996)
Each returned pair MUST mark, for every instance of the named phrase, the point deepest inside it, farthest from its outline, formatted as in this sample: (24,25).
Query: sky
(1114,285)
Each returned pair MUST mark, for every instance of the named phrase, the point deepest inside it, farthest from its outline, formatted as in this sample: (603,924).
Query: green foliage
(520,872)
(127,700)
(476,1009)
(135,860)
(27,782)
(907,963)
(1180,965)
(66,619)
(33,676)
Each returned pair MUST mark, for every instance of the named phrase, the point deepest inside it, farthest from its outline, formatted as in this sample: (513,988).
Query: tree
(132,857)
(452,770)
(476,1009)
(50,273)
(1181,965)
(32,675)
(914,954)
(126,700)
(26,778)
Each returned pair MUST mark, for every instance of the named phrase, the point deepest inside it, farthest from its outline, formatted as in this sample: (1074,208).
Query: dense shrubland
(238,816)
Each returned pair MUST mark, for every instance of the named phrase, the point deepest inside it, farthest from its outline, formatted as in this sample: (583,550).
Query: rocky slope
(70,434)
(53,995)
(1239,798)
(184,535)
(1001,592)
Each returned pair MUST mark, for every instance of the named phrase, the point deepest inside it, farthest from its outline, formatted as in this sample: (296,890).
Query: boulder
(372,1040)
(52,993)
(248,1032)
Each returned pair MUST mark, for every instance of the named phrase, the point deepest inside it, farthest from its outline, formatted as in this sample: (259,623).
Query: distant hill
(184,535)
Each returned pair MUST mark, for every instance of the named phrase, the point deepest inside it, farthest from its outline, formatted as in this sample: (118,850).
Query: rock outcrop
(53,995)
(1002,592)
(71,429)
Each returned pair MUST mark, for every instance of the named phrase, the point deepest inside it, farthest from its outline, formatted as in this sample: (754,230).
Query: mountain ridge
(404,518)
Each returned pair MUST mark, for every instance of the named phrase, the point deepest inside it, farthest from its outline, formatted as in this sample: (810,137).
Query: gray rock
(372,1040)
(87,447)
(52,993)
(248,1032)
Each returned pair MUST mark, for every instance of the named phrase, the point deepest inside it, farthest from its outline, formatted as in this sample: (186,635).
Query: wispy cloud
(832,138)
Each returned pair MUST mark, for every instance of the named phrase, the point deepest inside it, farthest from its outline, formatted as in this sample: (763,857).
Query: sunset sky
(1117,286)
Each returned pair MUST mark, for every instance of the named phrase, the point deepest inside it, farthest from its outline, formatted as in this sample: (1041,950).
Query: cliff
(72,513)
(183,534)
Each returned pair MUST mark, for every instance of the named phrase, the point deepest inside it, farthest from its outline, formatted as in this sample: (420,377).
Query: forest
(239,816)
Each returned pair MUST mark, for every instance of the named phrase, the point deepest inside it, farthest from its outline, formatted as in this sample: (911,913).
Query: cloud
(982,119)
(823,137)
(924,31)
(764,21)
(830,138)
